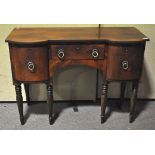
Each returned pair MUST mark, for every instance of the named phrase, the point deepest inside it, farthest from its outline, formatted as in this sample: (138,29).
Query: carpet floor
(86,118)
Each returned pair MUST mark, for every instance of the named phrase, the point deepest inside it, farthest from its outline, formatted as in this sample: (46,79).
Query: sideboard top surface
(109,34)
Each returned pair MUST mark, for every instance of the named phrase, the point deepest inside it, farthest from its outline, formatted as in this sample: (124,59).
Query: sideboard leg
(122,93)
(103,101)
(132,100)
(19,99)
(50,102)
(27,89)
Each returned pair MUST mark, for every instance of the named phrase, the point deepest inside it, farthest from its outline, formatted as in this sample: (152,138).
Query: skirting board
(80,101)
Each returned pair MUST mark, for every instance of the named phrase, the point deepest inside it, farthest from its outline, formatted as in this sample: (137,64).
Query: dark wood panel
(111,34)
(29,64)
(97,64)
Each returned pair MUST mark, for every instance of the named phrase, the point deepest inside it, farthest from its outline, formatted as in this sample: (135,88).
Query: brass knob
(125,65)
(61,54)
(95,53)
(30,66)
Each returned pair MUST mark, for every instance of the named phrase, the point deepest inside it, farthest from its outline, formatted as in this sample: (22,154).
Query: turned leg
(122,93)
(132,100)
(50,102)
(19,99)
(103,101)
(27,86)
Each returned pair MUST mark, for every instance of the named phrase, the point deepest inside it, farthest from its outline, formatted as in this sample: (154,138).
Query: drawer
(124,63)
(94,51)
(29,64)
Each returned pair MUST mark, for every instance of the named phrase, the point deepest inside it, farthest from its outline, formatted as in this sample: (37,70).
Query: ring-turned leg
(50,102)
(27,91)
(103,100)
(122,93)
(19,99)
(132,100)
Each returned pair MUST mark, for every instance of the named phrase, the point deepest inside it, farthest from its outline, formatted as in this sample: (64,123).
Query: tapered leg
(50,102)
(19,99)
(26,86)
(103,101)
(132,100)
(122,93)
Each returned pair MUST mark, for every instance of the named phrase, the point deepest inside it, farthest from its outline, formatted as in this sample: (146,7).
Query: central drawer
(78,52)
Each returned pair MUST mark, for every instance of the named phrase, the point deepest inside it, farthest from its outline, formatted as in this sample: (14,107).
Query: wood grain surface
(43,35)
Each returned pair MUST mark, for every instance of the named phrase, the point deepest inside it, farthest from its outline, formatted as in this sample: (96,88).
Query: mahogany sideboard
(117,52)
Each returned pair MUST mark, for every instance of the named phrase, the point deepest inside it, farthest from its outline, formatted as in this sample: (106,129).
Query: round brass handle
(31,66)
(125,65)
(61,54)
(95,53)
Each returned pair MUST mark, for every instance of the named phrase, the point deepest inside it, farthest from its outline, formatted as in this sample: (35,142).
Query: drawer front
(29,64)
(124,63)
(77,52)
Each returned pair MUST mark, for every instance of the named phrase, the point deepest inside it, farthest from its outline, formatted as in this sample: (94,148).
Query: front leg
(132,100)
(122,93)
(27,91)
(50,102)
(19,99)
(103,100)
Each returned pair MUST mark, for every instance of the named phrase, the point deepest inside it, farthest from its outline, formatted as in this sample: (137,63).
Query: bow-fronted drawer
(29,63)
